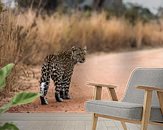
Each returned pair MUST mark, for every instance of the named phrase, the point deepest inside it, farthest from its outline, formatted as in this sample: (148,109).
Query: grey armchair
(142,103)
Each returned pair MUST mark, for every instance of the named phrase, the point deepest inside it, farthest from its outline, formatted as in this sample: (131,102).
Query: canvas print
(81,64)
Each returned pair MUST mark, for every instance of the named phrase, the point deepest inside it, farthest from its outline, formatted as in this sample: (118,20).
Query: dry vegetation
(97,32)
(16,46)
(27,39)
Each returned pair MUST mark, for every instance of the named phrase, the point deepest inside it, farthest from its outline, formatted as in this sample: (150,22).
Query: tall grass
(97,32)
(27,38)
(16,46)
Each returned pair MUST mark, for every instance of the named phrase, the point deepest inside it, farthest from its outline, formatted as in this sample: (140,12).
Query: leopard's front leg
(66,80)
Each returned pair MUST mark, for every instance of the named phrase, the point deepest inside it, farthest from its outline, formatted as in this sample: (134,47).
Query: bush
(19,46)
(1,6)
(135,13)
(38,4)
(19,99)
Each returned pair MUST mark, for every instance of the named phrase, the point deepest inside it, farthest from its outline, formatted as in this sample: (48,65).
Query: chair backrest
(143,76)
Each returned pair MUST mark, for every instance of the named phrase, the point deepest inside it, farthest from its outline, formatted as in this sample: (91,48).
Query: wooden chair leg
(124,125)
(97,96)
(146,110)
(94,122)
(160,98)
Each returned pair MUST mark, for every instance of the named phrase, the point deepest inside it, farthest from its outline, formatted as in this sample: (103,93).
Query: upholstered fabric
(125,110)
(131,105)
(143,76)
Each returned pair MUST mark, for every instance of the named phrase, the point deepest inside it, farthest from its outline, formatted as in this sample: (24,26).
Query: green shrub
(19,99)
(4,72)
(8,126)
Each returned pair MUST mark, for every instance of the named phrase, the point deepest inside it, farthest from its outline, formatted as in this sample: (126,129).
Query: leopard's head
(78,54)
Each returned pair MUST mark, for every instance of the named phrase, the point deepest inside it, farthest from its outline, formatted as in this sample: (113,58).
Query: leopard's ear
(73,48)
(85,49)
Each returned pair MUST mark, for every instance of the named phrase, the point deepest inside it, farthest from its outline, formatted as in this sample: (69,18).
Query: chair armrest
(148,88)
(98,91)
(148,98)
(102,85)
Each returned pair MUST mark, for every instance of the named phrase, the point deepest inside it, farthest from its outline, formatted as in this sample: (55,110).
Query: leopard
(59,67)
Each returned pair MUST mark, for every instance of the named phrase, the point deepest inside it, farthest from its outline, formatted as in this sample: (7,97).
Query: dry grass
(98,33)
(150,34)
(27,39)
(14,48)
(57,32)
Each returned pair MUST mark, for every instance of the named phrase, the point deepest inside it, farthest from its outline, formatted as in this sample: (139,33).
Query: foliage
(24,98)
(19,99)
(4,72)
(38,4)
(8,126)
(133,13)
(1,6)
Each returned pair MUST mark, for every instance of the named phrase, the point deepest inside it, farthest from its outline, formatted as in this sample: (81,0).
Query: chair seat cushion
(125,110)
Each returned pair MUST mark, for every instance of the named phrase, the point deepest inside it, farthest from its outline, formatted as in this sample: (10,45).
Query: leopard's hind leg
(65,86)
(44,83)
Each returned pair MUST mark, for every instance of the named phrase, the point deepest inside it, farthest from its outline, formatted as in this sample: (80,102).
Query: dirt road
(112,68)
